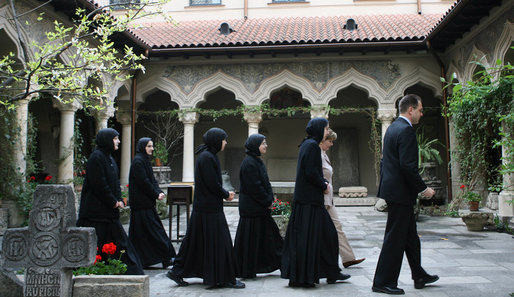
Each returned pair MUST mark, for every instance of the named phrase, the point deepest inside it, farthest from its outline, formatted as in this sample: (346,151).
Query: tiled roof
(292,30)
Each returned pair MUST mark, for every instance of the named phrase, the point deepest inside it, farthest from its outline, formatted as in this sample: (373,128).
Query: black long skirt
(310,246)
(147,235)
(107,232)
(206,251)
(258,246)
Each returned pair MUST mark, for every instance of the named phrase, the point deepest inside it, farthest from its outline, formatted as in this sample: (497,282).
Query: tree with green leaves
(71,55)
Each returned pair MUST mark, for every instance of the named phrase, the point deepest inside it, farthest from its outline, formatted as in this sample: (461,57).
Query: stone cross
(50,246)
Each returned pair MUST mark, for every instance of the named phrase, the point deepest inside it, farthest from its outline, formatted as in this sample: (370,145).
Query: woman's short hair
(331,135)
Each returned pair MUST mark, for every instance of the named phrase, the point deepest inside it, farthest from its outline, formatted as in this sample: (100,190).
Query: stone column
(454,166)
(102,116)
(188,162)
(66,145)
(386,116)
(506,209)
(319,112)
(253,119)
(22,111)
(125,119)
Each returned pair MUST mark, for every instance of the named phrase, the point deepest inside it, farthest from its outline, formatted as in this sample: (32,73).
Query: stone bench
(476,220)
(353,192)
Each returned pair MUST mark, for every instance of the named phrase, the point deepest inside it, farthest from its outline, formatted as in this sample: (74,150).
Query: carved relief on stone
(385,72)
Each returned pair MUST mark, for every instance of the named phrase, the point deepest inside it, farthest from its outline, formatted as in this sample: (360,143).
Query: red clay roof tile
(293,30)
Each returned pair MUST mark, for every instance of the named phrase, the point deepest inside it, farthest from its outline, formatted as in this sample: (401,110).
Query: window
(123,4)
(204,2)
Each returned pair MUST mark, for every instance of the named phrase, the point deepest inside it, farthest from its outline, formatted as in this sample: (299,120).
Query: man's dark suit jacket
(400,181)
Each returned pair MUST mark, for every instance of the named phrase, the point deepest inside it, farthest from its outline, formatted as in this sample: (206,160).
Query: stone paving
(468,263)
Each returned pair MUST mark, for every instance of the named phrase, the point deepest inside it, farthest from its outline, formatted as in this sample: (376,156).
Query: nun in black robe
(206,251)
(146,232)
(311,244)
(101,199)
(258,244)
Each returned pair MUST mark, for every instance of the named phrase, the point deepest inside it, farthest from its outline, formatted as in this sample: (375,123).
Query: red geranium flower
(97,258)
(462,186)
(48,178)
(109,248)
(32,178)
(127,185)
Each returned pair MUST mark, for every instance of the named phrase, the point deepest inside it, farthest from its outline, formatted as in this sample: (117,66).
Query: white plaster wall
(180,10)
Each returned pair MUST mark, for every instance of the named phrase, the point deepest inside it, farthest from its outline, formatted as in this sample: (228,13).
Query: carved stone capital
(386,115)
(253,117)
(105,113)
(67,106)
(319,112)
(124,117)
(189,118)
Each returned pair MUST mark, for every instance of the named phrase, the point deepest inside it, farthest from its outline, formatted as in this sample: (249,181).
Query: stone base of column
(505,209)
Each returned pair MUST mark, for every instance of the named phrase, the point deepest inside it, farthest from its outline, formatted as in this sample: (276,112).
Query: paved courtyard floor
(468,263)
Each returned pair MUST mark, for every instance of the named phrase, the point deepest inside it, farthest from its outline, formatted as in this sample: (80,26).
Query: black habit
(206,251)
(311,244)
(100,193)
(400,184)
(146,232)
(258,244)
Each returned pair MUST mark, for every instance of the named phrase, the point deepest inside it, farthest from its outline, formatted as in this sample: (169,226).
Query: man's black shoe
(388,290)
(180,281)
(341,276)
(420,283)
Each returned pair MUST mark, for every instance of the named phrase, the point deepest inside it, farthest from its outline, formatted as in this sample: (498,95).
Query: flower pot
(281,222)
(111,285)
(158,162)
(473,205)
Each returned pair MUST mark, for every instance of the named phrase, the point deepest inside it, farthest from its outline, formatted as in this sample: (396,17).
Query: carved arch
(11,32)
(157,82)
(419,75)
(470,67)
(504,42)
(215,82)
(286,78)
(359,80)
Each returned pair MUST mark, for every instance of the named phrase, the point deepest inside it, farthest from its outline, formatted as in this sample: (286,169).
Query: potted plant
(106,277)
(427,152)
(473,198)
(160,154)
(280,211)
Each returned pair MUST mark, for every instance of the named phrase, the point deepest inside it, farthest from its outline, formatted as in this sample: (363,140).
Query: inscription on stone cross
(50,246)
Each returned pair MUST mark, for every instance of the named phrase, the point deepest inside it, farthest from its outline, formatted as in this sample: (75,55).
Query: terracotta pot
(473,205)
(158,162)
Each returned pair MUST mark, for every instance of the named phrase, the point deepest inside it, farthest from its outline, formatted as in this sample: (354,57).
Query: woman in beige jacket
(345,250)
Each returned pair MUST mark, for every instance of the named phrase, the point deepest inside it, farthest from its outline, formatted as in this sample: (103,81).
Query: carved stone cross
(50,246)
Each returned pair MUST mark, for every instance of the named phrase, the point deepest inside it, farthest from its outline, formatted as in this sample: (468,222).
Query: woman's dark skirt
(206,251)
(107,232)
(310,246)
(258,246)
(149,238)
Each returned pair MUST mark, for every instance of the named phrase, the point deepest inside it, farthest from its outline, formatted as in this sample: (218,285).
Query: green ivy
(477,108)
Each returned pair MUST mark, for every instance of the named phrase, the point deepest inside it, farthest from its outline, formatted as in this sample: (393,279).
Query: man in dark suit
(400,184)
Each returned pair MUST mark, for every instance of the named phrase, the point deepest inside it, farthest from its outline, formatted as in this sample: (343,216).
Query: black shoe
(165,264)
(300,285)
(421,282)
(180,281)
(388,290)
(236,285)
(341,277)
